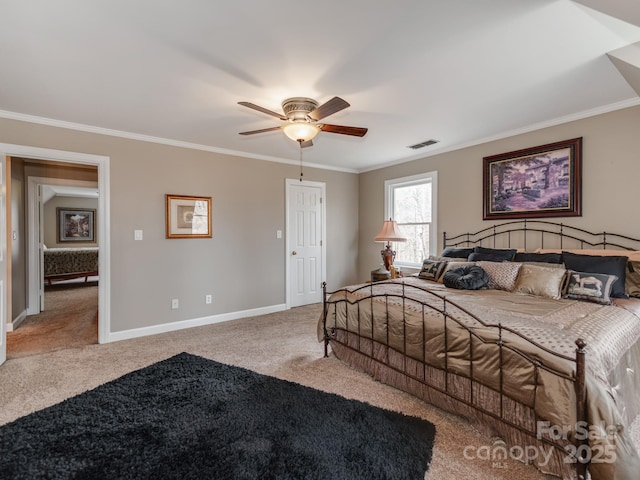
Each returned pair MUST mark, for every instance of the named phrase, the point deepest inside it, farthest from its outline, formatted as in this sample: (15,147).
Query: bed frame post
(581,408)
(324,319)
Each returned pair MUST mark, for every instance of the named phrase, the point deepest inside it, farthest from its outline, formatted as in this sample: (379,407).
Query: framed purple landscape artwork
(543,181)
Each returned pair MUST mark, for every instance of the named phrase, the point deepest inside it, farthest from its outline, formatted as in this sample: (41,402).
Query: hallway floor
(70,319)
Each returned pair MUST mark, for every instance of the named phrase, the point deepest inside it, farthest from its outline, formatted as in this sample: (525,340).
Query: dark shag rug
(192,418)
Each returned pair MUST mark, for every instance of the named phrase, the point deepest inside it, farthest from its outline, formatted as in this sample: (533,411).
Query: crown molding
(159,140)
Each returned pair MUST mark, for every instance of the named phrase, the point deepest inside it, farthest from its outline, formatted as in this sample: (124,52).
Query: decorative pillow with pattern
(502,275)
(431,270)
(593,287)
(540,281)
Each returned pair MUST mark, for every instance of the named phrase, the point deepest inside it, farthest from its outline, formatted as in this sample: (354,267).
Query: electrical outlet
(175,304)
(208,299)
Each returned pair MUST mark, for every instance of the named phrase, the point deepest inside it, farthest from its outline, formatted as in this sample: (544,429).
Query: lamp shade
(390,233)
(300,131)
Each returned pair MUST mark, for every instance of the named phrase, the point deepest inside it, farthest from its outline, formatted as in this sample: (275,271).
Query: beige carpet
(70,319)
(281,344)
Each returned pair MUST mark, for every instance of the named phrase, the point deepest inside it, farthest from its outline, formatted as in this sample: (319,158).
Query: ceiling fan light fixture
(301,115)
(300,131)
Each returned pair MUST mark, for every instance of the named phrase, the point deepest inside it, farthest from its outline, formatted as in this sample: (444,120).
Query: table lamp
(389,233)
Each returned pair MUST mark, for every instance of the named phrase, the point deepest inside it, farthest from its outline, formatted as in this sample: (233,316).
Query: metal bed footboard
(443,307)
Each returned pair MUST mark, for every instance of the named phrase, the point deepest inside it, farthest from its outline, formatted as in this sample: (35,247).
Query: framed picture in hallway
(188,217)
(543,181)
(76,225)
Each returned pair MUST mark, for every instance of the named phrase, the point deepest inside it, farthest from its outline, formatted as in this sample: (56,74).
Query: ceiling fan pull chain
(300,143)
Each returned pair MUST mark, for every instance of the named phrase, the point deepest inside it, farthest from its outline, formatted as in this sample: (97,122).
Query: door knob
(294,253)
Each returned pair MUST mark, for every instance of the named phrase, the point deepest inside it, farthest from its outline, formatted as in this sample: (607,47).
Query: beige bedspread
(612,334)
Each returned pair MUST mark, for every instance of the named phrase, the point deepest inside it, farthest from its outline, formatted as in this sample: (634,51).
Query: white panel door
(304,235)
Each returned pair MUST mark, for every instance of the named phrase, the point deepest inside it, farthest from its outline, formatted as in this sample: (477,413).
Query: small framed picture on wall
(76,225)
(188,216)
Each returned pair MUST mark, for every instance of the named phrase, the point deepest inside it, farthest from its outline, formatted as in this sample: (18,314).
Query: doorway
(61,304)
(102,228)
(42,202)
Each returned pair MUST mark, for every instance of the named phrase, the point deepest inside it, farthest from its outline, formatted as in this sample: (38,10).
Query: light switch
(278,233)
(137,234)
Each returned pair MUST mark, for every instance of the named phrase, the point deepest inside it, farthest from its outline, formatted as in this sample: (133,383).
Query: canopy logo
(599,448)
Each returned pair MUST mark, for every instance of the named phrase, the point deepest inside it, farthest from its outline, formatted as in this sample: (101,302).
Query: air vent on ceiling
(423,144)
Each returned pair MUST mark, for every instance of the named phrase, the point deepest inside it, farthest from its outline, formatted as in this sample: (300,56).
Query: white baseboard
(195,322)
(11,326)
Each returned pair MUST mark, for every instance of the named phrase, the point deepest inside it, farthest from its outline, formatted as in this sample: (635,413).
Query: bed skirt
(387,366)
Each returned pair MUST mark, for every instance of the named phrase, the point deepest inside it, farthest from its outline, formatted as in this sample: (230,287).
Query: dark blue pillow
(497,254)
(487,257)
(452,252)
(538,257)
(613,265)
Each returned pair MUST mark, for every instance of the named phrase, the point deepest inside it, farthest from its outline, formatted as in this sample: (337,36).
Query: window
(411,202)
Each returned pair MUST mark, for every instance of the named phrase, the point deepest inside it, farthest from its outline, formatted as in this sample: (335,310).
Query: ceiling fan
(302,115)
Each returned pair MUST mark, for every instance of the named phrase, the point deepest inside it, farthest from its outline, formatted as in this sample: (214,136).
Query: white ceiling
(461,72)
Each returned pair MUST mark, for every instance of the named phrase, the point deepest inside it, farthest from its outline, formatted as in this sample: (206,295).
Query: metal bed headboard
(501,235)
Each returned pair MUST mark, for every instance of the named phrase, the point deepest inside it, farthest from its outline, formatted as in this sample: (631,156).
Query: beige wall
(610,199)
(51,219)
(242,266)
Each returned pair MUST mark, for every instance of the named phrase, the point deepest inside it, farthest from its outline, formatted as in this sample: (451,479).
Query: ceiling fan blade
(263,110)
(329,108)
(308,143)
(262,130)
(344,130)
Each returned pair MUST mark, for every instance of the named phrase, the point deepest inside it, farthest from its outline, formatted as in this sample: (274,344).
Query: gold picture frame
(188,216)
